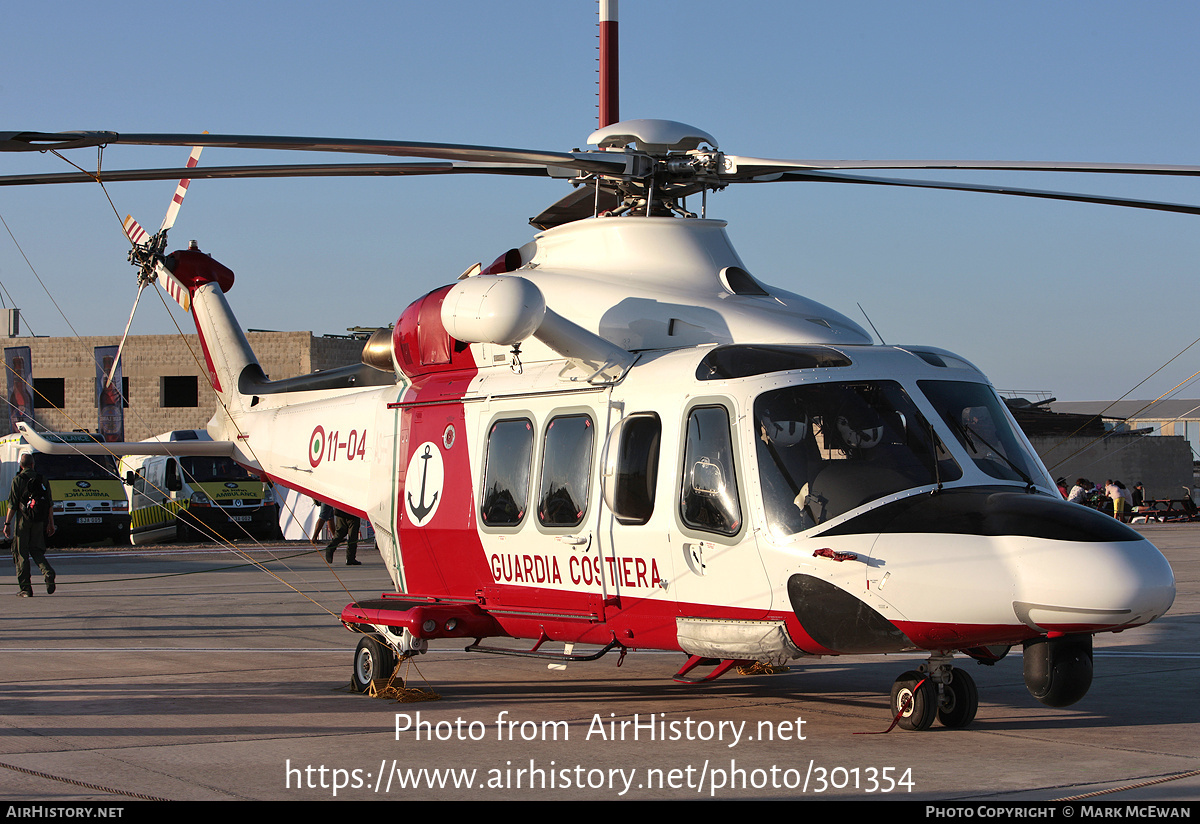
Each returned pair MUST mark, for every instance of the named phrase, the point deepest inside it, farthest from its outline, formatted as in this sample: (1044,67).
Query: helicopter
(615,436)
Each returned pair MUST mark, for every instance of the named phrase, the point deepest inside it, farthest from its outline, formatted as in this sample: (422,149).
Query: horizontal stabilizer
(78,443)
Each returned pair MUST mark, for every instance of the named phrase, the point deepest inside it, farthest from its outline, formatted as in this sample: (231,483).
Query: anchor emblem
(432,475)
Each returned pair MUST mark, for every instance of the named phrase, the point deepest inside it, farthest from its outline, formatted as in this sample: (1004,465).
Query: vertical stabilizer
(226,351)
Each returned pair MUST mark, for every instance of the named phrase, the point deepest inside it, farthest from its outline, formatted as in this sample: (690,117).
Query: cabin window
(506,473)
(566,471)
(824,449)
(632,472)
(710,499)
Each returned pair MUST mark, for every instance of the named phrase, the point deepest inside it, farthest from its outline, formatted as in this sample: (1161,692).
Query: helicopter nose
(1089,586)
(1005,564)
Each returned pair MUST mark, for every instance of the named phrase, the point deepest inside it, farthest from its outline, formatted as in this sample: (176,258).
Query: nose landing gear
(935,691)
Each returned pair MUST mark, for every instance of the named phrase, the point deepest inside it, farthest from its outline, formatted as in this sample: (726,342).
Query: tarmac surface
(187,674)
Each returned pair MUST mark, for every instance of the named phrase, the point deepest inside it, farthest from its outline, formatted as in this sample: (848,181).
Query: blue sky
(1080,300)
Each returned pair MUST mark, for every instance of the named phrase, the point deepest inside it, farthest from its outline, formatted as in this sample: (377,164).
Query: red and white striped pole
(609,75)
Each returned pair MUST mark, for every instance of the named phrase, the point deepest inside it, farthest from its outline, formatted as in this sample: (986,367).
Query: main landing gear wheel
(373,661)
(916,705)
(959,700)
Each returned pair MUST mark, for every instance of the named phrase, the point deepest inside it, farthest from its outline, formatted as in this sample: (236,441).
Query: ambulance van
(195,498)
(89,503)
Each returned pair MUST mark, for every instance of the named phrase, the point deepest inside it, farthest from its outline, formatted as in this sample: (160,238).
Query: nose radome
(1085,586)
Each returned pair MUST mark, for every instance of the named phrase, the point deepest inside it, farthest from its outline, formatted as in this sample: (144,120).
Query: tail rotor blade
(178,292)
(134,231)
(181,190)
(117,360)
(147,256)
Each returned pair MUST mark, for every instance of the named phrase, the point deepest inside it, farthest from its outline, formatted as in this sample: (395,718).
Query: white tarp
(298,516)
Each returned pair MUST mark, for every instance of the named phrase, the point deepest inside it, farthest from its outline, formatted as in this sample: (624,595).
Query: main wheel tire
(960,700)
(916,705)
(372,661)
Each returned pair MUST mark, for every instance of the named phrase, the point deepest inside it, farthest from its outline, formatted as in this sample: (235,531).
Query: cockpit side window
(824,449)
(710,498)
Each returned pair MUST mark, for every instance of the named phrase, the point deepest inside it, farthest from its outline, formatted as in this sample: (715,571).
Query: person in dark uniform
(346,529)
(32,528)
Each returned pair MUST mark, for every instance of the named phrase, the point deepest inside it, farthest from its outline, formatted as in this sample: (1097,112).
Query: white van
(193,497)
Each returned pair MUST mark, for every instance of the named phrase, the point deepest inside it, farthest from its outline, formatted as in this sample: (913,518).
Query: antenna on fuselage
(873,329)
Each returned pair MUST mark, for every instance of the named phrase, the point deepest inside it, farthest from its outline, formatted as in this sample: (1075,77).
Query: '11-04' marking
(326,447)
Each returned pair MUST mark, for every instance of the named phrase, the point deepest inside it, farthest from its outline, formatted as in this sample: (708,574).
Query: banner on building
(110,404)
(18,390)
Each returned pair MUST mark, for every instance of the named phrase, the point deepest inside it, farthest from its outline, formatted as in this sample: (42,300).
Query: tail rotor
(147,256)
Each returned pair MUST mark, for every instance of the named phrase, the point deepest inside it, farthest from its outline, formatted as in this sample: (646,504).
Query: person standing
(1120,498)
(31,507)
(325,516)
(347,529)
(1079,492)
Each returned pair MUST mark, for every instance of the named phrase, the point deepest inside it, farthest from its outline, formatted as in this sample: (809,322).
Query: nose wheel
(937,691)
(959,700)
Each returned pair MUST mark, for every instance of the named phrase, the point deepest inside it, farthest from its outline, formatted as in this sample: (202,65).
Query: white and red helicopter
(616,436)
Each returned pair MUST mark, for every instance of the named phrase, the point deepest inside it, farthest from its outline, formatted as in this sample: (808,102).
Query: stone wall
(1162,463)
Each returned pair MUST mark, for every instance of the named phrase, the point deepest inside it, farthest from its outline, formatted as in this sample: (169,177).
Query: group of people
(1113,496)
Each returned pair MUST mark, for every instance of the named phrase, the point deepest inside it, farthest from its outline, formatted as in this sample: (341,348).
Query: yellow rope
(401,692)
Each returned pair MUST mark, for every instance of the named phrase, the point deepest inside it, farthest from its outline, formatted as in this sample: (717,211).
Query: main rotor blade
(831,177)
(299,170)
(749,167)
(602,162)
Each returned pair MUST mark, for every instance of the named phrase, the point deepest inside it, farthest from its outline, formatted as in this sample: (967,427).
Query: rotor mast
(609,75)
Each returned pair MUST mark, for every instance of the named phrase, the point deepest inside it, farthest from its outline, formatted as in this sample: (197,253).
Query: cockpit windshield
(978,419)
(75,467)
(825,449)
(207,468)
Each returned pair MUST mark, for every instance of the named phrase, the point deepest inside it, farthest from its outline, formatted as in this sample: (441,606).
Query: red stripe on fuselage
(212,370)
(319,496)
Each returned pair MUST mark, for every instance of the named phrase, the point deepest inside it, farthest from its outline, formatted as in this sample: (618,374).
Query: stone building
(164,376)
(1087,440)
